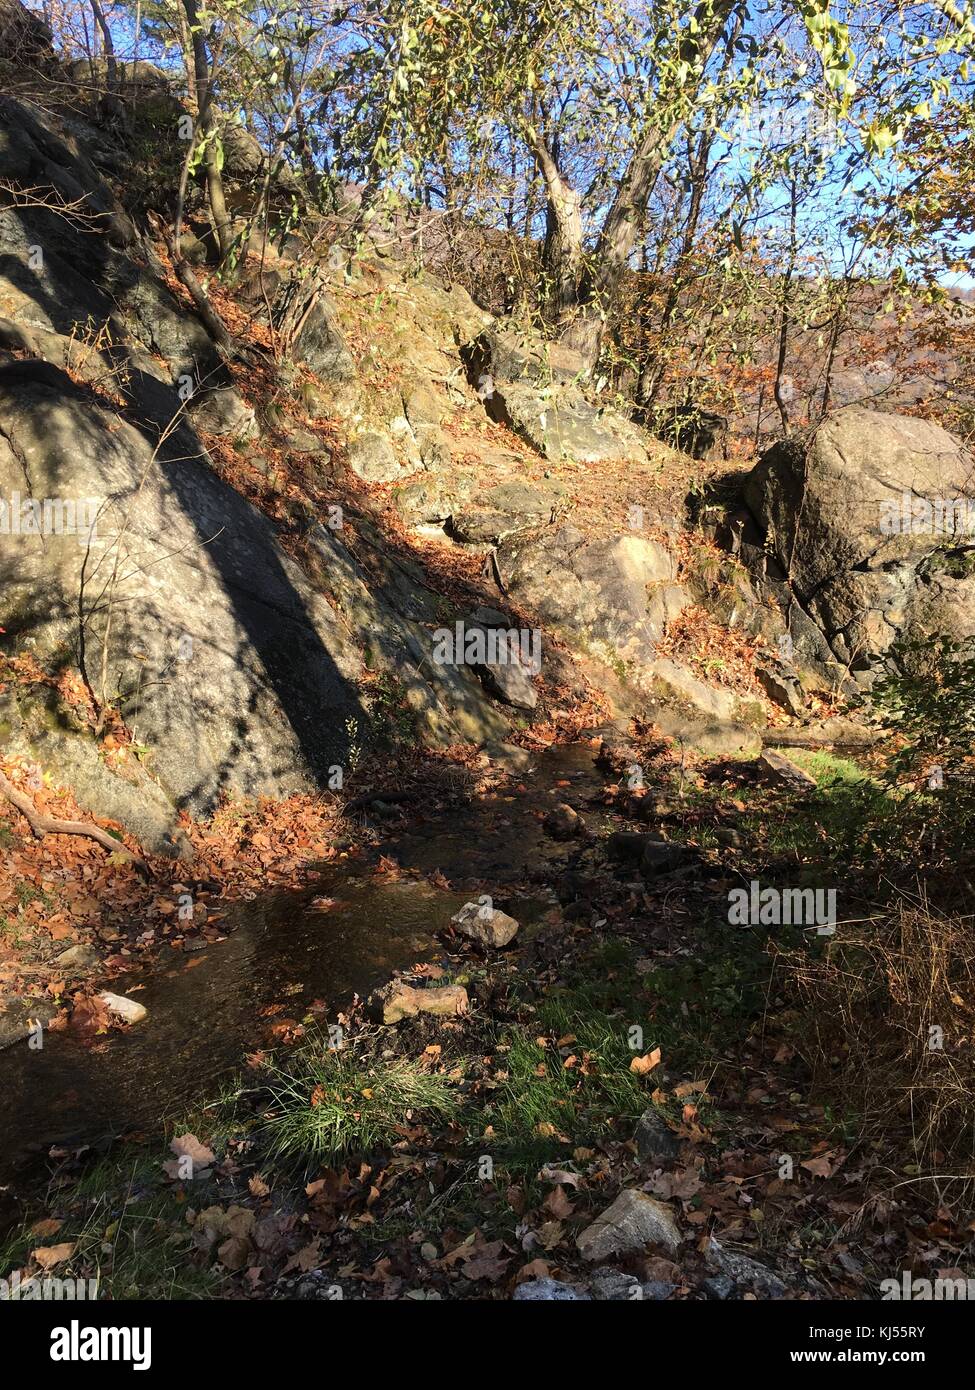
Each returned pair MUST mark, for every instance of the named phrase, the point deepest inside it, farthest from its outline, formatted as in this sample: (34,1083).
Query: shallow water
(280,956)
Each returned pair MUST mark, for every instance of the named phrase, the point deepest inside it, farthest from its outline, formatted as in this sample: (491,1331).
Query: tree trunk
(563,258)
(652,374)
(109,46)
(785,314)
(583,315)
(222,226)
(698,162)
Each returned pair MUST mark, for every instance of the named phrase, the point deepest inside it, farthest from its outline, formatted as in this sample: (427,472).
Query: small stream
(281,955)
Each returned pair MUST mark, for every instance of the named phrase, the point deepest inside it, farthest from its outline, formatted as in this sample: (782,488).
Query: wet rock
(128,1010)
(633,1221)
(563,822)
(485,924)
(547,1291)
(19,1016)
(655,1140)
(401,1001)
(508,756)
(781,771)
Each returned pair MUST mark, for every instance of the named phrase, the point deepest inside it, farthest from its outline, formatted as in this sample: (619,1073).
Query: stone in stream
(485,924)
(633,1221)
(20,1015)
(126,1009)
(400,1001)
(508,756)
(563,822)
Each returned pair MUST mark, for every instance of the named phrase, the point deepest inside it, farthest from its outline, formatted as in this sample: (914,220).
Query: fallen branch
(212,321)
(492,570)
(49,825)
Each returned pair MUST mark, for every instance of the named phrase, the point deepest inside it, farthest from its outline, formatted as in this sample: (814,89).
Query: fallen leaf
(642,1065)
(46,1227)
(47,1256)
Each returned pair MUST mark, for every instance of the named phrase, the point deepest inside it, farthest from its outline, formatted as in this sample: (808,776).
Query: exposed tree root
(49,825)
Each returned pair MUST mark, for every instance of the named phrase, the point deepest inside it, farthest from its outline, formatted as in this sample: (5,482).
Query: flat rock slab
(781,771)
(633,1221)
(401,1001)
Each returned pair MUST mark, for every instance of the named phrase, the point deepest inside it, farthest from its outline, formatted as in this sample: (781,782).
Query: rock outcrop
(872,520)
(533,388)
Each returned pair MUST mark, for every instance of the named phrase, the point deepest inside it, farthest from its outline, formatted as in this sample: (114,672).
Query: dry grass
(889,1033)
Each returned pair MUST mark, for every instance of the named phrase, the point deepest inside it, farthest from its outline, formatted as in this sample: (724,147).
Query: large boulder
(24,37)
(227,662)
(78,277)
(873,520)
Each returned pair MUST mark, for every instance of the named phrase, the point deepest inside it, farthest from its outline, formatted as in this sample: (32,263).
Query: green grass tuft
(327,1103)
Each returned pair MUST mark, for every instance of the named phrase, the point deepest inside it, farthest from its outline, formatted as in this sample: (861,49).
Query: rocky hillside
(316,561)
